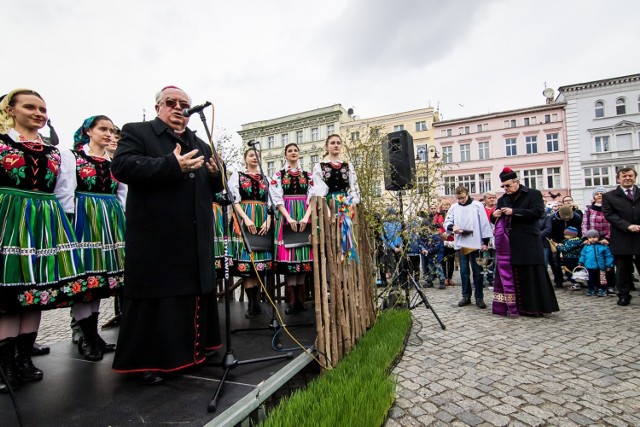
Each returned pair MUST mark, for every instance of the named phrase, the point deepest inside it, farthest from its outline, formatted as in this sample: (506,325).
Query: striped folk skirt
(100,228)
(218,238)
(240,259)
(41,266)
(294,260)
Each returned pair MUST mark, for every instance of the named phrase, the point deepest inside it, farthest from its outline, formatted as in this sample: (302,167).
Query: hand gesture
(188,162)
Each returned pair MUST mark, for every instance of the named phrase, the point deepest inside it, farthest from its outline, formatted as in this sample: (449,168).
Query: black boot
(106,347)
(251,296)
(290,293)
(257,308)
(89,345)
(24,346)
(301,295)
(76,332)
(8,365)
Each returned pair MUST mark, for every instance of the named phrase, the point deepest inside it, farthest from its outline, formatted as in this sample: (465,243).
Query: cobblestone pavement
(577,367)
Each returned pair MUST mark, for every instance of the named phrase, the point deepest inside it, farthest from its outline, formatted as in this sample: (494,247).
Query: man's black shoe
(624,300)
(480,303)
(464,301)
(150,378)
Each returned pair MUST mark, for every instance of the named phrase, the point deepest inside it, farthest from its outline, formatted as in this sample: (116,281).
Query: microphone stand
(229,360)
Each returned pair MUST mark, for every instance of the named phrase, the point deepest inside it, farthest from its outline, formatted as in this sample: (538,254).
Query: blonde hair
(6,121)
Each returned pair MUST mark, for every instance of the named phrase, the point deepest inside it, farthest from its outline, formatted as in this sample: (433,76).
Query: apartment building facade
(603,132)
(530,141)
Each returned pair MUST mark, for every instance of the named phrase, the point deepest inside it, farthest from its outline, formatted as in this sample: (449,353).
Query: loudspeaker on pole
(399,161)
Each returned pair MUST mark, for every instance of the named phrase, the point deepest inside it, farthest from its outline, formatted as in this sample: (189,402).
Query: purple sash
(504,291)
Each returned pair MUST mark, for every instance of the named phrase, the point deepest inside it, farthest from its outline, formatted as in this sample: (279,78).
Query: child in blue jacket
(432,247)
(570,249)
(596,257)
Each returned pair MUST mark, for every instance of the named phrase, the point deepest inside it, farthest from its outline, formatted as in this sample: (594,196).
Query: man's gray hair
(160,93)
(489,193)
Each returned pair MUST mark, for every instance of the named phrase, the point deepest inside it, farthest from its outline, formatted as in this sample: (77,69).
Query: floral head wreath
(6,121)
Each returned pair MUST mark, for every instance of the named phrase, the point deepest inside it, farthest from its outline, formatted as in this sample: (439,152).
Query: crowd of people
(595,250)
(156,192)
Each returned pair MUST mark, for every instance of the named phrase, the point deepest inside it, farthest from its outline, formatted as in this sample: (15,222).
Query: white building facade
(603,132)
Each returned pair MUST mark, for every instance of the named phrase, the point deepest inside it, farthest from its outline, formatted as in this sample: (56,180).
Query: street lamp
(423,154)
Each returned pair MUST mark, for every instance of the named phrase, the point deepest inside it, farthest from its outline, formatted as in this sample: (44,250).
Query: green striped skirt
(241,259)
(100,227)
(40,261)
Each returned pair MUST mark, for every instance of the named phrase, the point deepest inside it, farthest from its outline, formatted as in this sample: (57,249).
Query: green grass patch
(359,391)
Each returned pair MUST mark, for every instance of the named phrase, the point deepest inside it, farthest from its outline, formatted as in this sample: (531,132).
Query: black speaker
(399,161)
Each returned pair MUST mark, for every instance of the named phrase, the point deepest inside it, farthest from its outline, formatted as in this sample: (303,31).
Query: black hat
(507,174)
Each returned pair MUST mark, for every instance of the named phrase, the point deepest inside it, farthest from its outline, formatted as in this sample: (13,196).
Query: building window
(330,130)
(449,132)
(285,139)
(533,178)
(355,136)
(599,109)
(526,121)
(314,134)
(602,144)
(552,142)
(553,178)
(298,137)
(484,182)
(449,185)
(271,168)
(422,182)
(531,142)
(623,142)
(483,150)
(420,126)
(301,162)
(510,145)
(547,118)
(447,154)
(468,181)
(598,176)
(467,130)
(479,128)
(465,152)
(314,159)
(621,106)
(421,152)
(271,142)
(397,128)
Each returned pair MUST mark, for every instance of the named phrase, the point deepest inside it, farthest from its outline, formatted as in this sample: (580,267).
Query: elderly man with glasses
(519,209)
(169,310)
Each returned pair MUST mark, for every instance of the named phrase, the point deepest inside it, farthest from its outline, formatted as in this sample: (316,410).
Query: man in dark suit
(621,208)
(169,312)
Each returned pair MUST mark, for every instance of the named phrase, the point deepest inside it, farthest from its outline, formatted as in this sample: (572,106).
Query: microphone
(253,143)
(187,112)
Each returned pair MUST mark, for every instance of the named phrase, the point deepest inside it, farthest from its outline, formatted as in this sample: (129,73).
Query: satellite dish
(548,93)
(350,111)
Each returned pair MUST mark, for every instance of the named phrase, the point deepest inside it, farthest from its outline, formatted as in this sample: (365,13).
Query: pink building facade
(531,141)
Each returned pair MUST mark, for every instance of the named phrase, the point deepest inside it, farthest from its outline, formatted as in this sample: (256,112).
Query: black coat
(169,237)
(524,234)
(558,225)
(621,212)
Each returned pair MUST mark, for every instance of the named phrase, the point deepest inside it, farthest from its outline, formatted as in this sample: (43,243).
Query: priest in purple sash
(504,291)
(518,212)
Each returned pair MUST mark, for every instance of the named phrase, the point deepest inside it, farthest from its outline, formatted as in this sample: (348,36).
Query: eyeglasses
(172,103)
(508,185)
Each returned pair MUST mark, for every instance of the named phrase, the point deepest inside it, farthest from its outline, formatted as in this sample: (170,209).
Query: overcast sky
(258,60)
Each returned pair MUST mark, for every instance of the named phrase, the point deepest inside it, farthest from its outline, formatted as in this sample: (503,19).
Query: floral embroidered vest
(28,166)
(336,176)
(93,174)
(294,182)
(252,187)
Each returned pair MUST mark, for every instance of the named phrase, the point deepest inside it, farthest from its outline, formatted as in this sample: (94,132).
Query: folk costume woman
(250,195)
(291,187)
(336,179)
(99,226)
(40,264)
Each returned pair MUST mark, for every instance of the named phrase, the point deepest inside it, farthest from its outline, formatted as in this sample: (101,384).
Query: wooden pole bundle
(343,288)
